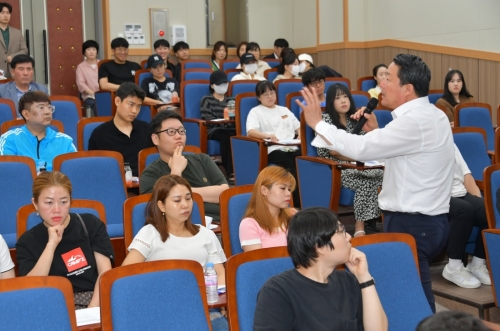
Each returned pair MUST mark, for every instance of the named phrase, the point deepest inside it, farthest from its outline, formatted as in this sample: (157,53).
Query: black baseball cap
(247,58)
(154,60)
(218,77)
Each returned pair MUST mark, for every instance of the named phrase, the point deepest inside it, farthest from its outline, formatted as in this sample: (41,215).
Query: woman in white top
(273,122)
(86,74)
(288,68)
(248,66)
(6,264)
(379,72)
(254,49)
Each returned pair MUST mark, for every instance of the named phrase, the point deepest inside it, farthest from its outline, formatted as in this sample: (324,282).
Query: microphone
(372,104)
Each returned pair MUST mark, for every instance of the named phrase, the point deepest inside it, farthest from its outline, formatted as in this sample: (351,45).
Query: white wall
(331,21)
(356,20)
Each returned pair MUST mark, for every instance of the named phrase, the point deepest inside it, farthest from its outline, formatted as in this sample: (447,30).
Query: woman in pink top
(86,74)
(266,220)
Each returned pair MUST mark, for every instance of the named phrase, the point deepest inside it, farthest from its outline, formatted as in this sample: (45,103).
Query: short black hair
(5,4)
(29,98)
(378,66)
(129,89)
(180,45)
(280,42)
(451,321)
(253,46)
(161,42)
(158,119)
(414,71)
(89,44)
(286,59)
(313,75)
(21,58)
(263,86)
(308,230)
(119,42)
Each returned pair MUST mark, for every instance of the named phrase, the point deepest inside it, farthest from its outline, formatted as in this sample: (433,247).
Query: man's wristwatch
(367,284)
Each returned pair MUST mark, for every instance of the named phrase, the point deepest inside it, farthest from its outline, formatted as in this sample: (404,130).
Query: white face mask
(250,69)
(220,89)
(295,70)
(302,67)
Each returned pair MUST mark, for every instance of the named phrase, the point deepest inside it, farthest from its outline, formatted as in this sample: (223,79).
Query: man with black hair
(181,50)
(314,295)
(451,321)
(124,134)
(417,147)
(158,88)
(162,48)
(113,73)
(315,78)
(12,42)
(279,44)
(169,136)
(21,69)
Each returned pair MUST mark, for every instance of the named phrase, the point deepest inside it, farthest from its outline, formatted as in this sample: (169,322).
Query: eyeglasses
(317,83)
(341,229)
(269,94)
(44,108)
(171,132)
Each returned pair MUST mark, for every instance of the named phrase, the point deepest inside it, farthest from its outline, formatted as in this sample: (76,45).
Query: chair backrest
(292,105)
(97,175)
(286,86)
(273,63)
(17,123)
(245,274)
(166,295)
(306,137)
(434,95)
(141,75)
(384,116)
(85,127)
(491,186)
(68,111)
(191,94)
(27,218)
(229,64)
(134,216)
(244,103)
(233,204)
(329,81)
(195,64)
(231,73)
(29,303)
(104,101)
(7,111)
(471,143)
(476,115)
(196,74)
(360,98)
(241,86)
(366,83)
(271,74)
(401,287)
(146,113)
(491,239)
(16,175)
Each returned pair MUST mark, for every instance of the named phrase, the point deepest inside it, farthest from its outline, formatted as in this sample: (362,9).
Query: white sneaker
(481,273)
(462,277)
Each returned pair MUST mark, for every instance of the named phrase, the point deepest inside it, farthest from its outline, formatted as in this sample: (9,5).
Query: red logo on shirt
(74,259)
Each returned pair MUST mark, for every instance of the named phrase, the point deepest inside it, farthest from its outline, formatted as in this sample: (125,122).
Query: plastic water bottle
(211,283)
(231,105)
(128,173)
(40,167)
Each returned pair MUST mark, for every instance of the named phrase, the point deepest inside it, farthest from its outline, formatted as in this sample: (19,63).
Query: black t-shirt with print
(160,90)
(74,255)
(119,73)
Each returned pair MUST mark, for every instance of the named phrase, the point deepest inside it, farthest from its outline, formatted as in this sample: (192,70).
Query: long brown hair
(49,179)
(258,207)
(161,191)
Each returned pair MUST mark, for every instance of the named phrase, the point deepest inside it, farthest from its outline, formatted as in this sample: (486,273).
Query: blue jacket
(9,91)
(21,142)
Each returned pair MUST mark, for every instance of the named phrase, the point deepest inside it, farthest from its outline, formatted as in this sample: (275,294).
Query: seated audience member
(279,44)
(87,75)
(268,214)
(365,183)
(124,133)
(273,122)
(159,88)
(379,72)
(219,53)
(305,63)
(212,107)
(288,68)
(241,49)
(254,49)
(466,211)
(48,248)
(316,78)
(451,321)
(13,40)
(169,233)
(169,135)
(113,73)
(36,139)
(162,48)
(314,295)
(455,92)
(181,50)
(248,66)
(22,70)
(6,264)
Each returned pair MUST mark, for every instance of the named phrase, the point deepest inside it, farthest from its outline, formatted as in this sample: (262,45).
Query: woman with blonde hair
(267,216)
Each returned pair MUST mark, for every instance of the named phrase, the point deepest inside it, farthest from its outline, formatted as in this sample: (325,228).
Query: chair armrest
(249,158)
(480,184)
(199,135)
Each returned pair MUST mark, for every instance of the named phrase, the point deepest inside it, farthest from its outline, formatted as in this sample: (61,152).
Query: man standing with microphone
(417,147)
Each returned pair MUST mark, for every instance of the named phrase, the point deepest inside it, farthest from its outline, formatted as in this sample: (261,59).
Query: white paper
(208,221)
(213,226)
(88,316)
(289,141)
(217,120)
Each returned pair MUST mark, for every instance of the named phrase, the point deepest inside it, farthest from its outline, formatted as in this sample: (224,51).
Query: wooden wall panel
(469,67)
(354,66)
(334,59)
(433,61)
(489,73)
